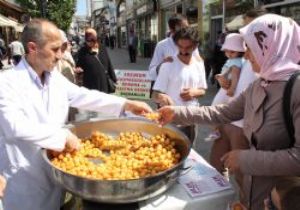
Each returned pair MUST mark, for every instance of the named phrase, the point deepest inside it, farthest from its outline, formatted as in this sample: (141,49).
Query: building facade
(149,18)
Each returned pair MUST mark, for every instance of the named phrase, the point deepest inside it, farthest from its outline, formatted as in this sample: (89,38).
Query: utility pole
(43,8)
(224,15)
(200,19)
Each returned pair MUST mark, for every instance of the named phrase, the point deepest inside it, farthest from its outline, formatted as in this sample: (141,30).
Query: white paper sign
(202,179)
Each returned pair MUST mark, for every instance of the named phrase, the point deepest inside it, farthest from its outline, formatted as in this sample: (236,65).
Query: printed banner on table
(202,179)
(133,84)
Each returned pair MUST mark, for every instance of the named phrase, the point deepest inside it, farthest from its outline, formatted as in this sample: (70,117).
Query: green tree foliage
(58,11)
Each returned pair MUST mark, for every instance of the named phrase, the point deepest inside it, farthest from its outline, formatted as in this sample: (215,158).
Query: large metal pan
(123,191)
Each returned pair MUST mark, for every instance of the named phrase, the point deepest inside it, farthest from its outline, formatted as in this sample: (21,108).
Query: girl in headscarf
(273,49)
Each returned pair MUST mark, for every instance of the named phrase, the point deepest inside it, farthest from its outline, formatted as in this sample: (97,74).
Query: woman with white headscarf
(273,45)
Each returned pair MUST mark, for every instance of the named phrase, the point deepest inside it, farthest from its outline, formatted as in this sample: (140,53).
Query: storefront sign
(133,84)
(129,14)
(168,3)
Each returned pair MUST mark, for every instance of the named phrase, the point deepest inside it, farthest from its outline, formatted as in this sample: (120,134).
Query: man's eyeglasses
(271,205)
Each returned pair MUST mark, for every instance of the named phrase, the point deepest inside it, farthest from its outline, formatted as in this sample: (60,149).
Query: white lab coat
(26,126)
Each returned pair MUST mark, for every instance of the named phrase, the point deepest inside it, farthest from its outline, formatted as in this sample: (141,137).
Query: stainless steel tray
(123,191)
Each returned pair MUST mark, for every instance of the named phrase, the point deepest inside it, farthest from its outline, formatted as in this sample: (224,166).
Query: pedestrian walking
(3,51)
(132,46)
(219,57)
(207,55)
(112,41)
(98,72)
(15,51)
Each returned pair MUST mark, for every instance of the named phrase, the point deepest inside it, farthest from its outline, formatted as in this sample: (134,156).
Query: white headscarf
(275,43)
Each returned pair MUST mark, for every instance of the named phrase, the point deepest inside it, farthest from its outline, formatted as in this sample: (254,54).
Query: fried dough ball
(153,116)
(128,156)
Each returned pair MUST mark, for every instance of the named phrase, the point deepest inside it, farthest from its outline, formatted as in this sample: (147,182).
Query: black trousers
(16,59)
(132,53)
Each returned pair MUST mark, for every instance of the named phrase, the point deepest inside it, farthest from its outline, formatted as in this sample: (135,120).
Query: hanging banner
(133,84)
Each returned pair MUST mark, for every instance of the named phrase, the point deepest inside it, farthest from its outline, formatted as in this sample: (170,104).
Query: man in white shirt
(15,52)
(182,81)
(34,103)
(167,47)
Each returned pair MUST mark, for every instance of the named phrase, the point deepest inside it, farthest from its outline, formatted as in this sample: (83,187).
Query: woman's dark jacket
(94,76)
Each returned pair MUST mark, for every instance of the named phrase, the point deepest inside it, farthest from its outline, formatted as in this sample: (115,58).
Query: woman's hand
(166,114)
(231,161)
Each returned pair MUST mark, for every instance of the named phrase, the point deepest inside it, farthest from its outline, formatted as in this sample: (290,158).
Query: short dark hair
(176,20)
(33,32)
(187,33)
(254,13)
(288,189)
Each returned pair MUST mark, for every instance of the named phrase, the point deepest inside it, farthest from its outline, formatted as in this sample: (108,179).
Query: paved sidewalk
(120,60)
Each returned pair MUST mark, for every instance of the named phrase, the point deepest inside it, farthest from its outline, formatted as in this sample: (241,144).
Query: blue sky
(81,7)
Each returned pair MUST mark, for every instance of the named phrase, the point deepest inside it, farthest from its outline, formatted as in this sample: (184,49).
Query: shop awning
(236,23)
(19,27)
(6,22)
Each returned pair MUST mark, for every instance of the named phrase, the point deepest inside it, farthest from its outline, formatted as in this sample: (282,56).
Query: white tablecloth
(177,198)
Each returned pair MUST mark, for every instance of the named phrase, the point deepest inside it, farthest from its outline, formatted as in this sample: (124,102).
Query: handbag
(288,118)
(111,84)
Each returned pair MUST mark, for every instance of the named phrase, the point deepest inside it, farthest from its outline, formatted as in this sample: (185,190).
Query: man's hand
(188,94)
(168,59)
(2,186)
(166,115)
(164,100)
(72,143)
(137,107)
(231,161)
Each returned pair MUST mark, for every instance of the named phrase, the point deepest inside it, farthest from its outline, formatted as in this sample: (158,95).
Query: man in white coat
(34,103)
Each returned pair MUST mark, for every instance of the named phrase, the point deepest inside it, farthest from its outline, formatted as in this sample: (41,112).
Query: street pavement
(120,60)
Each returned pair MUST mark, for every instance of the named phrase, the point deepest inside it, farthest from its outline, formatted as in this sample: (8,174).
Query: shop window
(179,9)
(270,1)
(292,11)
(192,14)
